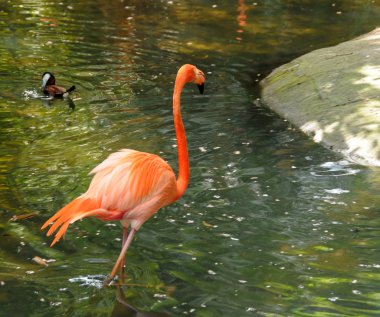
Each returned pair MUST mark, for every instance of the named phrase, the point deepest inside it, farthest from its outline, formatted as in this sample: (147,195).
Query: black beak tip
(201,88)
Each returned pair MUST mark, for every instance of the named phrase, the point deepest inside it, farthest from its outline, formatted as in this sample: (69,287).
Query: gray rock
(333,95)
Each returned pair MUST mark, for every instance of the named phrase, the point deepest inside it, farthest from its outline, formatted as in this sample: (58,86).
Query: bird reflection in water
(48,101)
(124,309)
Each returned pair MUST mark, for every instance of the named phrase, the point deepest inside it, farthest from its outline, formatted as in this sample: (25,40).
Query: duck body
(51,89)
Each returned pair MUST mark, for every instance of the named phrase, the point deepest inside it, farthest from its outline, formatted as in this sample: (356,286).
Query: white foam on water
(89,280)
(337,191)
(339,168)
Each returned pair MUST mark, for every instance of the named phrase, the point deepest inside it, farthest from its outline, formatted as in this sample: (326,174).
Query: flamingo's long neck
(183,156)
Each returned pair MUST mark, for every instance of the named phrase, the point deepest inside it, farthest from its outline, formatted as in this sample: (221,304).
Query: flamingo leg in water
(122,265)
(121,257)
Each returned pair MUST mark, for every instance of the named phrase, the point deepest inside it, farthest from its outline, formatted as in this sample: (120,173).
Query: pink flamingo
(131,186)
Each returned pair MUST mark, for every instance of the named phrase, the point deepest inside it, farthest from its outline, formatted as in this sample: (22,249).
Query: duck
(49,88)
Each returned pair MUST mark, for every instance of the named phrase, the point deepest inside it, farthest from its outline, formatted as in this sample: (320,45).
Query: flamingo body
(130,186)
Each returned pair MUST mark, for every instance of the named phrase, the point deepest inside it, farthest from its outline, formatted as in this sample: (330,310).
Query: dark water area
(272,224)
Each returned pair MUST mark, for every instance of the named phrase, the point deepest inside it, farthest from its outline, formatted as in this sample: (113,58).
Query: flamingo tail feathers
(79,208)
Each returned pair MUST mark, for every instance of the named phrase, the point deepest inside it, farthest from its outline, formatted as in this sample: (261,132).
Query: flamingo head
(199,79)
(192,74)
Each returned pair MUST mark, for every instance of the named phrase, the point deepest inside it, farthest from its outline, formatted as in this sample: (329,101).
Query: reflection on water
(47,101)
(123,308)
(272,224)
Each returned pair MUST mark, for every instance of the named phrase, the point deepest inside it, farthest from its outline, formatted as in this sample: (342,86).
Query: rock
(333,95)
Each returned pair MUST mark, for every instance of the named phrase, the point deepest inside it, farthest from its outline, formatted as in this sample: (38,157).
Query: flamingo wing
(129,186)
(128,178)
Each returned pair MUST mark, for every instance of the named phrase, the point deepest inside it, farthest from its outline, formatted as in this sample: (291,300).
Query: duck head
(47,79)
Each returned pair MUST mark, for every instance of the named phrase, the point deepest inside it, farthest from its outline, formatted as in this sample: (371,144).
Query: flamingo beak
(201,88)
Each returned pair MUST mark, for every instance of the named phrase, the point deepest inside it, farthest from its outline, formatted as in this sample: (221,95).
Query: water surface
(271,225)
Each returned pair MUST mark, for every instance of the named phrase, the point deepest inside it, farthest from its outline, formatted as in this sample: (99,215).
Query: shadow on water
(49,102)
(123,309)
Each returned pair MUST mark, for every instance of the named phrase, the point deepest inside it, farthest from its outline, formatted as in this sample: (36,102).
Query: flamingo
(131,186)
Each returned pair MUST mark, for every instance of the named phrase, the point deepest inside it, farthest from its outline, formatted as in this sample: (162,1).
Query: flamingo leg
(122,265)
(120,258)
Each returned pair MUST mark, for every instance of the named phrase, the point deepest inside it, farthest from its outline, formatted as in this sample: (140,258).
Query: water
(271,225)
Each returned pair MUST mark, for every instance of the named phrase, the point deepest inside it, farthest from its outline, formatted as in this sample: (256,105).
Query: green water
(271,225)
